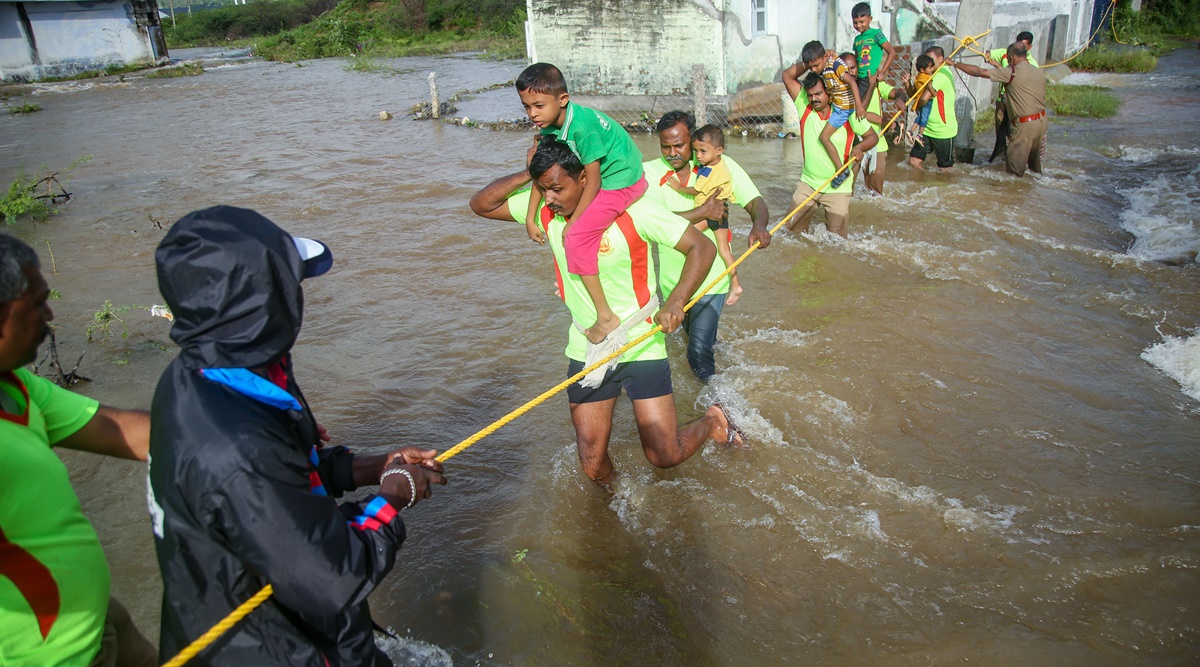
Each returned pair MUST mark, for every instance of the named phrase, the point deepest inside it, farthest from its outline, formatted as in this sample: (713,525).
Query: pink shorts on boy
(581,243)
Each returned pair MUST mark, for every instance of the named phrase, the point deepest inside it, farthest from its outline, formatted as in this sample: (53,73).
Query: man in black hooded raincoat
(241,487)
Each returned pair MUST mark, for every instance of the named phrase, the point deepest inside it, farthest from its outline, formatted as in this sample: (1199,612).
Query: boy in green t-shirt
(870,45)
(613,172)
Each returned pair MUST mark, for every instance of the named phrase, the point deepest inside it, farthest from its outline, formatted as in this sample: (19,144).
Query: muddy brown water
(975,424)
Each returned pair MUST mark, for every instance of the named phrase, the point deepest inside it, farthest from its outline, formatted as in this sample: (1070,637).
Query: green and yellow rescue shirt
(875,106)
(943,123)
(670,261)
(54,581)
(818,168)
(1001,56)
(626,269)
(868,46)
(594,137)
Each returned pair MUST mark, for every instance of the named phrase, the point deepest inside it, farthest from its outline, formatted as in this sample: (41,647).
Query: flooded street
(974,425)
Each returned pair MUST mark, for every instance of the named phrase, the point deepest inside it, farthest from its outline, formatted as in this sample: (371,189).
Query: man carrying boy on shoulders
(628,277)
(812,103)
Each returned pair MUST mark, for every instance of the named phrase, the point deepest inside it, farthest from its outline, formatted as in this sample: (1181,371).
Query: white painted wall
(14,48)
(71,37)
(1034,16)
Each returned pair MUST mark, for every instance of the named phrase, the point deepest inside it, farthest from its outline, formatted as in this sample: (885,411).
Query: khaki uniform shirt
(1025,85)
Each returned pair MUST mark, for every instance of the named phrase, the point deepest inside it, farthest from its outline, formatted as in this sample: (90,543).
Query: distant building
(653,47)
(650,48)
(42,38)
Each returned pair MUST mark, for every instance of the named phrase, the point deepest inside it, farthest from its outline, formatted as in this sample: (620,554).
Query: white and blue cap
(317,256)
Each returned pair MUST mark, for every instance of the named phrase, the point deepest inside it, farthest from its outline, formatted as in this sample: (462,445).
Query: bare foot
(733,435)
(603,326)
(734,295)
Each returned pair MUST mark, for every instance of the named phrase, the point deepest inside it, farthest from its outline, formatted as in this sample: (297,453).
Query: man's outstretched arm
(698,254)
(492,201)
(759,218)
(124,434)
(973,70)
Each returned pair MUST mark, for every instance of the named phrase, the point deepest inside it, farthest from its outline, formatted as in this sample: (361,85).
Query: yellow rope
(219,629)
(1088,44)
(202,642)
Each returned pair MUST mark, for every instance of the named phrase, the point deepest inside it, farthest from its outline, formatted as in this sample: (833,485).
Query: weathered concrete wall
(641,47)
(626,46)
(14,47)
(1036,16)
(70,37)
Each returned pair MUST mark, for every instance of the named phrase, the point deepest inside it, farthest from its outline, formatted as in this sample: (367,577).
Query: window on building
(758,16)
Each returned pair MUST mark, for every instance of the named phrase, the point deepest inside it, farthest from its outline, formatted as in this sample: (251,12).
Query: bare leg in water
(664,443)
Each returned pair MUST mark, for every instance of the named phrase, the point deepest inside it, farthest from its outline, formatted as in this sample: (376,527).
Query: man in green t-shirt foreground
(55,606)
(812,103)
(628,277)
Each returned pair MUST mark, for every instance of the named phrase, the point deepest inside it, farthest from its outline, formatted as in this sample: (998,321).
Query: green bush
(260,17)
(1114,58)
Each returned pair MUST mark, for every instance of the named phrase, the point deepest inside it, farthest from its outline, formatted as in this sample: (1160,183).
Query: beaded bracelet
(412,485)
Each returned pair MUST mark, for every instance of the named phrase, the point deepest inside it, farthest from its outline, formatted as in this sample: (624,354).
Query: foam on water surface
(1179,359)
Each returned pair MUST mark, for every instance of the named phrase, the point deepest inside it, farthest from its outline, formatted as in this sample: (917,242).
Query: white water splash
(1164,218)
(1179,359)
(1142,154)
(413,653)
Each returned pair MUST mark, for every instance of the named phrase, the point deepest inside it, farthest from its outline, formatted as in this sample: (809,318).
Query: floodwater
(974,425)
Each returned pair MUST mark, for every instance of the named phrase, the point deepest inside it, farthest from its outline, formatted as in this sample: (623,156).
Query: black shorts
(723,223)
(943,147)
(640,379)
(863,84)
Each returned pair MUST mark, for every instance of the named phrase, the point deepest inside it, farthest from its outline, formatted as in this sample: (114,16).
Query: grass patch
(1085,101)
(186,69)
(985,121)
(24,108)
(1115,58)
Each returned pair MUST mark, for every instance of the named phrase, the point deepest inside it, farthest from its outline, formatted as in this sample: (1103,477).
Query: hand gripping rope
(203,641)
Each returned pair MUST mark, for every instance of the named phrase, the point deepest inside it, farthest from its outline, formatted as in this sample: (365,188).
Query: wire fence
(748,99)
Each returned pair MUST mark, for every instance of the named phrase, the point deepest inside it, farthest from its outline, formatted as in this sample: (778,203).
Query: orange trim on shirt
(547,215)
(639,258)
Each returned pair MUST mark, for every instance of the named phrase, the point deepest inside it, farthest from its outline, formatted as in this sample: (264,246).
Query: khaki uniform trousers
(1026,146)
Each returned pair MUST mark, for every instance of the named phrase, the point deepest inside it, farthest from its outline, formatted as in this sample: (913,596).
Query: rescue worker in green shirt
(675,130)
(55,602)
(943,123)
(628,277)
(812,103)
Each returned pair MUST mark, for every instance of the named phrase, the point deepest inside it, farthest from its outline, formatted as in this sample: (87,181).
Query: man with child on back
(675,130)
(626,271)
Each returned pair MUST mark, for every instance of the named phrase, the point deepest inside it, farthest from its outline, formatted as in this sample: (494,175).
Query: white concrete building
(41,38)
(649,47)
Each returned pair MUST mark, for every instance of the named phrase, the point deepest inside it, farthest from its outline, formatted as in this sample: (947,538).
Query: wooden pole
(699,101)
(433,95)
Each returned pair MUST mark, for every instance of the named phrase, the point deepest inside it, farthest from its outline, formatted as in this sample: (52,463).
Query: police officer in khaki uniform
(1025,99)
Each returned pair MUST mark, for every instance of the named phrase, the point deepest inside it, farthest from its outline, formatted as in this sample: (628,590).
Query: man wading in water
(1025,100)
(627,273)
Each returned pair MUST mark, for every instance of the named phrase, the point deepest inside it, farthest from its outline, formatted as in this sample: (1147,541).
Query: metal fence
(749,100)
